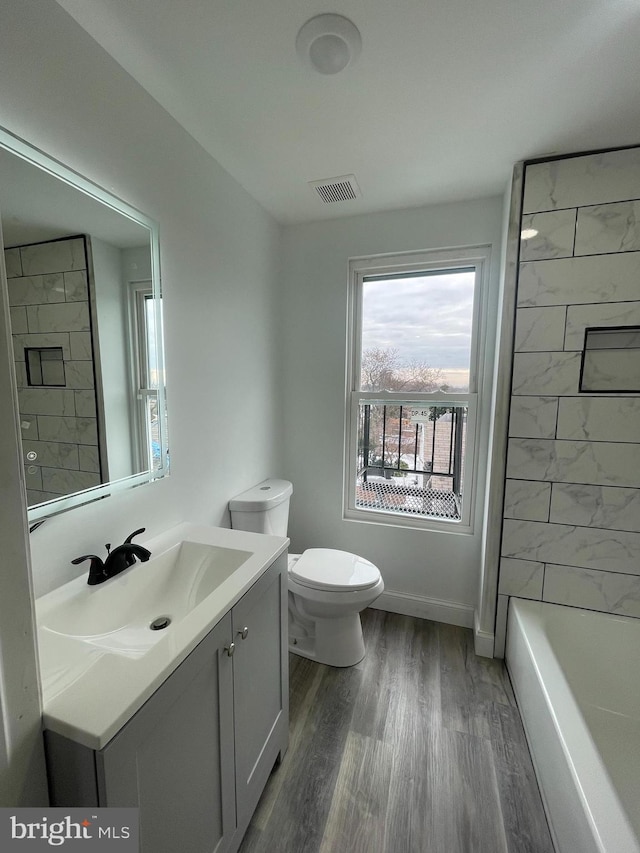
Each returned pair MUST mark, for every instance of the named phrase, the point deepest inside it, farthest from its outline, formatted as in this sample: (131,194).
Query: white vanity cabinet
(196,756)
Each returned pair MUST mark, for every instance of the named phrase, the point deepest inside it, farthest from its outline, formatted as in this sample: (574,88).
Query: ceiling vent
(343,188)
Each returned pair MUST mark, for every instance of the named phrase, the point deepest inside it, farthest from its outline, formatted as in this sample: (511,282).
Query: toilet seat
(330,569)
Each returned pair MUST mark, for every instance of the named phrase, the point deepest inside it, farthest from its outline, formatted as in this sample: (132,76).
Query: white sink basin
(117,614)
(99,658)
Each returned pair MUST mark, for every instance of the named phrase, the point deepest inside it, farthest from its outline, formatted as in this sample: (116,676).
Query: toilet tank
(263,508)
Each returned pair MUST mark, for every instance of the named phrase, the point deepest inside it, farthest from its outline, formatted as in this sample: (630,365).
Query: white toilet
(327,588)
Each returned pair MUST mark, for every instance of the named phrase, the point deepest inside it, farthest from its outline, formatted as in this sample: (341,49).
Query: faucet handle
(96,569)
(127,541)
(95,560)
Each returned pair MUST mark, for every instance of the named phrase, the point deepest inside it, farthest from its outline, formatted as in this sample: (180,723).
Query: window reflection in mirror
(148,375)
(82,277)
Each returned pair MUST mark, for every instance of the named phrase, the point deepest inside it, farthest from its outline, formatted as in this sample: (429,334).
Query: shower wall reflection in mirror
(83,288)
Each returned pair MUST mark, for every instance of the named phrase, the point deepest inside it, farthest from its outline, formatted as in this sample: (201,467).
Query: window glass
(416,331)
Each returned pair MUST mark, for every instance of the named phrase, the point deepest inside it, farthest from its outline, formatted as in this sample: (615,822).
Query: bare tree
(378,368)
(381,369)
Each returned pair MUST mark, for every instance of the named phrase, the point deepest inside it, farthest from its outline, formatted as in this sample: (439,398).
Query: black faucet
(117,560)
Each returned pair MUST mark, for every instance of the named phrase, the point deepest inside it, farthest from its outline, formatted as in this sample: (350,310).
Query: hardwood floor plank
(525,824)
(412,731)
(372,702)
(411,817)
(469,684)
(469,818)
(357,818)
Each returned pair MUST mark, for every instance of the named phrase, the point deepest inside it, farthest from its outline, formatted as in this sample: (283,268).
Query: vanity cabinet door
(175,758)
(260,691)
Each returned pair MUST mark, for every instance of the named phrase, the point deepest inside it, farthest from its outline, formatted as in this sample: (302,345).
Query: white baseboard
(483,641)
(450,612)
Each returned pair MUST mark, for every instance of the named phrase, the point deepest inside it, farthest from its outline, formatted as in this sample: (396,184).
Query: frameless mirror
(83,288)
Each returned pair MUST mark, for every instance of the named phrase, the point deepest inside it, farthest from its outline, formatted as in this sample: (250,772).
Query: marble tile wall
(571,531)
(49,299)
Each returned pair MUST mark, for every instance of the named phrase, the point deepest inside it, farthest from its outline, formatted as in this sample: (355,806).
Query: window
(146,321)
(413,387)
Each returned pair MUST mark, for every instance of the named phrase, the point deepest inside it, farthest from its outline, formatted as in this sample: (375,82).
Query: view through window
(413,389)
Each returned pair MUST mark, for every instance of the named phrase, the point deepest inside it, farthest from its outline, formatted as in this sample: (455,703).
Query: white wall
(219,256)
(418,566)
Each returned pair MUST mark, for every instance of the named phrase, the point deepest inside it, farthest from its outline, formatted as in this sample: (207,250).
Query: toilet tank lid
(264,496)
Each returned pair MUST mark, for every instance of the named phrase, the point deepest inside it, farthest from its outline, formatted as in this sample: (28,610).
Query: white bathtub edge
(582,816)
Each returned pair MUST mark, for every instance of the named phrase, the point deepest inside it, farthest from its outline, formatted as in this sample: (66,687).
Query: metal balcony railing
(411,459)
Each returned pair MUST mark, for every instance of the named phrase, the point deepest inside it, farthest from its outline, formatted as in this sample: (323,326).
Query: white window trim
(138,291)
(477,257)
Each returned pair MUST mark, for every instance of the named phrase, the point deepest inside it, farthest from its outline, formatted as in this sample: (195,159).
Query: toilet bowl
(327,591)
(328,588)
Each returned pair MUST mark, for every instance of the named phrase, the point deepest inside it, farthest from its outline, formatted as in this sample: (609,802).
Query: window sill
(391,519)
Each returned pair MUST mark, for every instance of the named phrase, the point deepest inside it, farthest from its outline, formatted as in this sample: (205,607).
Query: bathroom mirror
(81,269)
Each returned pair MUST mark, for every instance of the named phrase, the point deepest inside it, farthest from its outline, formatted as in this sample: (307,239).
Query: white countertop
(89,691)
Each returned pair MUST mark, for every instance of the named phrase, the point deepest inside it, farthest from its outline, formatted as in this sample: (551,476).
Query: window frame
(475,258)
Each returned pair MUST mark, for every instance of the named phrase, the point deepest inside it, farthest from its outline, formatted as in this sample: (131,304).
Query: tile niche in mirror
(45,367)
(83,287)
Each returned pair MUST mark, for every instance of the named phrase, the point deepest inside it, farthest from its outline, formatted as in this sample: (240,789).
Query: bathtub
(576,676)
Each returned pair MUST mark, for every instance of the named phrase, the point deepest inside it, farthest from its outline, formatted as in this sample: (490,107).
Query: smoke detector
(342,188)
(328,43)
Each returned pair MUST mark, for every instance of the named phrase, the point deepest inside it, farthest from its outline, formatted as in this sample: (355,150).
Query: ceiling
(445,97)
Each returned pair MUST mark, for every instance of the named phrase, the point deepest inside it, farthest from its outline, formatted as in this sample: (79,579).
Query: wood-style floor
(418,749)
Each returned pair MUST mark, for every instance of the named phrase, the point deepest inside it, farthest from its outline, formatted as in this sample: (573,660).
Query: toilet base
(336,641)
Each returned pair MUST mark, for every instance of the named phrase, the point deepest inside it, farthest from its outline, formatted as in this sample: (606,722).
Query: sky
(427,319)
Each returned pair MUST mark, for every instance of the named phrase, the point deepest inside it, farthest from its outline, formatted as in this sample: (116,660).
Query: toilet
(327,588)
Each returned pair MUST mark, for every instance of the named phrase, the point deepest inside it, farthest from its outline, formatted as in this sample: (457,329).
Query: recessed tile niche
(611,360)
(45,367)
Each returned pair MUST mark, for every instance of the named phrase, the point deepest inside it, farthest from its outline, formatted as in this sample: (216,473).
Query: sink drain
(160,623)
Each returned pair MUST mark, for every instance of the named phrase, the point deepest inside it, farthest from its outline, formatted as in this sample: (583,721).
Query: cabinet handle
(230,649)
(244,633)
